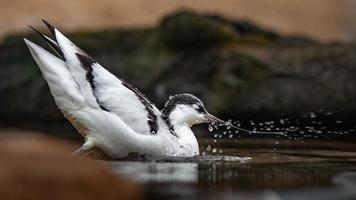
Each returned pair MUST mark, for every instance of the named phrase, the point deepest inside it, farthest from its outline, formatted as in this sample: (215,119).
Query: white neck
(186,137)
(181,128)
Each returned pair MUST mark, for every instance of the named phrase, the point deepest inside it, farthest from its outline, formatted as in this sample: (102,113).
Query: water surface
(249,173)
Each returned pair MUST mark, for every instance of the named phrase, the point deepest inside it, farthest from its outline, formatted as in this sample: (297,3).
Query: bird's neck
(181,128)
(177,123)
(176,126)
(186,137)
(183,131)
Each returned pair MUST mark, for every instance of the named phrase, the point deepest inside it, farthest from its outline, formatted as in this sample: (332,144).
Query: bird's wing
(102,90)
(104,129)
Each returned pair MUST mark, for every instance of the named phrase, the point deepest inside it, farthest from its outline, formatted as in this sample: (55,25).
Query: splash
(309,125)
(229,125)
(314,125)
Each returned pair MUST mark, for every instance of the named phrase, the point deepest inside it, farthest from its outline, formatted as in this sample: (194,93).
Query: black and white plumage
(111,114)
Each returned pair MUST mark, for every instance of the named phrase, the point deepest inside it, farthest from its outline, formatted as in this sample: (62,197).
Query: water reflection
(267,175)
(331,193)
(158,172)
(346,179)
(172,169)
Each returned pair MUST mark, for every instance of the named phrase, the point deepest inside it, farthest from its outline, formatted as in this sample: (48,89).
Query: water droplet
(312,115)
(230,136)
(210,128)
(214,150)
(208,148)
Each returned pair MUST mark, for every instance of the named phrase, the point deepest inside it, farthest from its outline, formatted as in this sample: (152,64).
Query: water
(265,170)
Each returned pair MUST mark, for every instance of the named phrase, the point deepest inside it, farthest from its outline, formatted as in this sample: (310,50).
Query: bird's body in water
(109,113)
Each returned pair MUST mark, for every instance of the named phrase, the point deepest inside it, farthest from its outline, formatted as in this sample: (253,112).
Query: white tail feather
(61,83)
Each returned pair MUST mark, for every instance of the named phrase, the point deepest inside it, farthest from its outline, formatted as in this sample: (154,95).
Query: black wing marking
(87,63)
(152,117)
(50,42)
(50,28)
(165,116)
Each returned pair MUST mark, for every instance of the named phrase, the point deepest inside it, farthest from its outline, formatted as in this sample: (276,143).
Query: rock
(245,28)
(39,167)
(186,30)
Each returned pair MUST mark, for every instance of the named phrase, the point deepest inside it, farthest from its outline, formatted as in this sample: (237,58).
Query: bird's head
(187,109)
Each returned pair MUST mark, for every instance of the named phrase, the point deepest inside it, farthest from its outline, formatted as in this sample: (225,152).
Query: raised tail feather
(61,83)
(69,52)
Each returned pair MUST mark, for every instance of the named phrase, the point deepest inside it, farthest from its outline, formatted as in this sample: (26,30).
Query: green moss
(188,30)
(238,74)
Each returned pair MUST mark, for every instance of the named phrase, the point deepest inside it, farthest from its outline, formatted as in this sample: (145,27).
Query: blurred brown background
(325,20)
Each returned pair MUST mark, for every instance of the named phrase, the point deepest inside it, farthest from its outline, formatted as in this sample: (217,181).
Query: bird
(111,114)
(114,117)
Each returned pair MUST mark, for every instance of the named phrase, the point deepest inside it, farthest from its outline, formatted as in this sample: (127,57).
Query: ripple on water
(195,159)
(169,169)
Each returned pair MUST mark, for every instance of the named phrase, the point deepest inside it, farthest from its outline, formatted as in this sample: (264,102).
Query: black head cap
(180,99)
(184,99)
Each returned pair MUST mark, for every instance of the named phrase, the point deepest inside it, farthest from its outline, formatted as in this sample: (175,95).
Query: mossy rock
(245,28)
(187,30)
